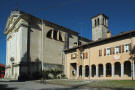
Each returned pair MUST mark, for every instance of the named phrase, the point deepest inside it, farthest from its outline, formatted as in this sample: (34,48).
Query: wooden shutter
(104,52)
(130,47)
(112,50)
(100,52)
(119,49)
(86,54)
(83,55)
(122,48)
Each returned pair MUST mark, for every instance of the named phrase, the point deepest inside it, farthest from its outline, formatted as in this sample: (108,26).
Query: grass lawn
(96,84)
(113,84)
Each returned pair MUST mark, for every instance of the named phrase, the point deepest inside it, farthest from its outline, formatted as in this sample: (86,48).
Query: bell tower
(99,27)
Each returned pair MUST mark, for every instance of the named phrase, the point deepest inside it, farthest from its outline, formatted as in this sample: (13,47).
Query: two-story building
(106,57)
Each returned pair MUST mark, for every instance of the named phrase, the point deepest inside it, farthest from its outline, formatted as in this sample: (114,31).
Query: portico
(116,70)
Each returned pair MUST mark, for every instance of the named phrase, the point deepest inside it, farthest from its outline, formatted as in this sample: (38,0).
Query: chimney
(109,34)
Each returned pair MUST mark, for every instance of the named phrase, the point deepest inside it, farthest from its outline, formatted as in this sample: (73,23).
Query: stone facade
(99,27)
(34,45)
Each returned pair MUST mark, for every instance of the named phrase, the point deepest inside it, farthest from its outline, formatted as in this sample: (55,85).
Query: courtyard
(68,85)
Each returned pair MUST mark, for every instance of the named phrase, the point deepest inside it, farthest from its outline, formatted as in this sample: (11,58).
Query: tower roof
(100,14)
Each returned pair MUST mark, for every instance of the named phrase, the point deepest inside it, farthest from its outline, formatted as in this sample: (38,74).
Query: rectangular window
(81,55)
(126,47)
(108,51)
(85,55)
(117,49)
(100,52)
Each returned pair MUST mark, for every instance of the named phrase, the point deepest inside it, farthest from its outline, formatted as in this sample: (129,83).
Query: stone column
(52,34)
(58,35)
(104,70)
(77,71)
(89,72)
(113,70)
(133,70)
(122,70)
(83,71)
(97,71)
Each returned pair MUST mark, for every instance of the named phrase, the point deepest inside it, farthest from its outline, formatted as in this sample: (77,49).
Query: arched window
(98,21)
(95,22)
(80,70)
(60,37)
(117,68)
(108,70)
(55,35)
(127,68)
(103,21)
(86,70)
(93,70)
(100,70)
(49,34)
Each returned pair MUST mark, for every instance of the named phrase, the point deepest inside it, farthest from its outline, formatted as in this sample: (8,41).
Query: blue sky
(73,14)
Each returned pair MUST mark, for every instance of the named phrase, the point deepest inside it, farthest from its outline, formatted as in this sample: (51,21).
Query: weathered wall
(95,59)
(35,41)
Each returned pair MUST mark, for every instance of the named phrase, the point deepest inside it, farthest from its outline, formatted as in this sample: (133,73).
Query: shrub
(51,74)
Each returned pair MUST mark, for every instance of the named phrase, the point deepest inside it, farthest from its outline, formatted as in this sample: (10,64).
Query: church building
(106,57)
(34,45)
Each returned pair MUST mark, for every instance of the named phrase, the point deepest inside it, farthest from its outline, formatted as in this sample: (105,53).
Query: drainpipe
(89,63)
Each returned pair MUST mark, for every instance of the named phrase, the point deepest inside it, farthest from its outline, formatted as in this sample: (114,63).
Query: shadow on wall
(29,69)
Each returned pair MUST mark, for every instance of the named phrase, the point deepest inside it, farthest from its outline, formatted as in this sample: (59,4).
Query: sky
(73,14)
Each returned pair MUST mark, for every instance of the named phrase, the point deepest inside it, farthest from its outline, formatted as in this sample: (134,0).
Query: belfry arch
(49,33)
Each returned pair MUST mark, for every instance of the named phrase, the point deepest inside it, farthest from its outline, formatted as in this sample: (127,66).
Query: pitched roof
(84,39)
(100,14)
(24,15)
(105,40)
